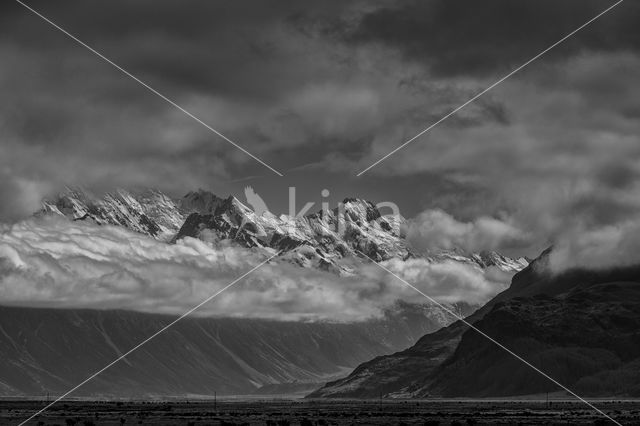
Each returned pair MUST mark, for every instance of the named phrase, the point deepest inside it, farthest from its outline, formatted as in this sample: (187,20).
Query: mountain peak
(353,200)
(492,258)
(200,201)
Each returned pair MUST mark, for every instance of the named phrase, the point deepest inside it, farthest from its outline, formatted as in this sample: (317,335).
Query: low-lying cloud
(449,281)
(438,230)
(605,247)
(54,262)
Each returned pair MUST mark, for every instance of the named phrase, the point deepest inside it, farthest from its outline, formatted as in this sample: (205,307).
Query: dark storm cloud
(212,46)
(66,117)
(471,37)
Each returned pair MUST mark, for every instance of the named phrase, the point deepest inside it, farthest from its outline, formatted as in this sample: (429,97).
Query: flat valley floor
(315,412)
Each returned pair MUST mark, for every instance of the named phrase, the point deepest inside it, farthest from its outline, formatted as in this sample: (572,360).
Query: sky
(320,91)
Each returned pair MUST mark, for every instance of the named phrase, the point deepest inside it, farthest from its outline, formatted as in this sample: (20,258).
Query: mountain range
(323,240)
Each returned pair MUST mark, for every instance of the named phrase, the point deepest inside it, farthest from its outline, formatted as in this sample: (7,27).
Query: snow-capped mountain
(483,259)
(149,212)
(328,239)
(321,239)
(200,201)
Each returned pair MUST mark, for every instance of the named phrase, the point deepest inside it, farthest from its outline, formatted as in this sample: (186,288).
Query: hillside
(579,326)
(51,350)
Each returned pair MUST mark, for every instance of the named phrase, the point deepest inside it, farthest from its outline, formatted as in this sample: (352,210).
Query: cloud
(20,194)
(450,281)
(434,230)
(570,153)
(66,117)
(58,263)
(599,248)
(466,37)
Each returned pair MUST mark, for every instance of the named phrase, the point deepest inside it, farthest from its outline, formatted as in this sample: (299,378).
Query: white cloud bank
(57,263)
(605,247)
(438,230)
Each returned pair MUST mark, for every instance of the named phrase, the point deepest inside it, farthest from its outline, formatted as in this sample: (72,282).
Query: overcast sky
(320,90)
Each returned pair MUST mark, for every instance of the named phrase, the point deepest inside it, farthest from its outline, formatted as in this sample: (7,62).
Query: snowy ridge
(486,259)
(149,212)
(320,240)
(328,239)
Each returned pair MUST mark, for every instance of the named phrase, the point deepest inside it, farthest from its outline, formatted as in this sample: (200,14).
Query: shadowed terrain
(581,327)
(51,350)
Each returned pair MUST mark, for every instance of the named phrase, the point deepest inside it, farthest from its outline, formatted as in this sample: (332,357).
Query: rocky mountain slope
(580,326)
(320,240)
(51,350)
(582,338)
(149,212)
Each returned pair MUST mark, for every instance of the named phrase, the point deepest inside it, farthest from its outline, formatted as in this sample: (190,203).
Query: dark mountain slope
(428,367)
(570,337)
(50,350)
